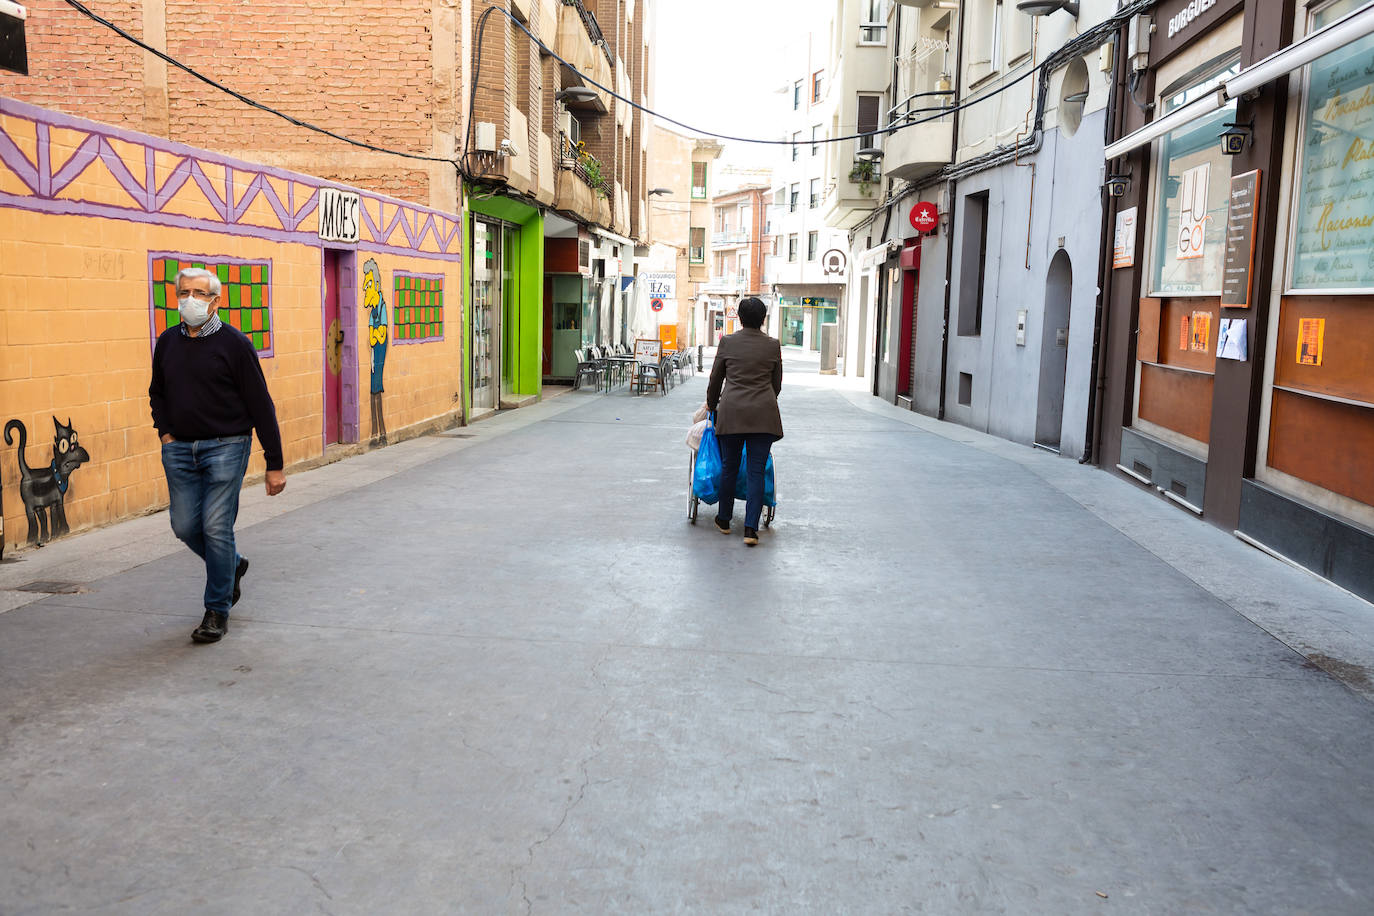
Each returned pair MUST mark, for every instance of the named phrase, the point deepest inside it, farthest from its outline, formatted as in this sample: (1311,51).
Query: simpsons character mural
(377,325)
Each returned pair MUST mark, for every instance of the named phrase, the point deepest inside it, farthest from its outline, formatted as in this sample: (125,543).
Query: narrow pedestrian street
(497,671)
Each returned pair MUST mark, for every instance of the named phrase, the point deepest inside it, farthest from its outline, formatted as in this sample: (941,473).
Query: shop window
(1319,443)
(417,307)
(1334,210)
(1191,190)
(245,297)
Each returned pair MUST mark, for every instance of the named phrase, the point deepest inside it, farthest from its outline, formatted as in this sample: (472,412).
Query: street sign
(656,304)
(925,217)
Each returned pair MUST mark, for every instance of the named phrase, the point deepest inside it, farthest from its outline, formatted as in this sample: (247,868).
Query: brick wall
(80,67)
(364,69)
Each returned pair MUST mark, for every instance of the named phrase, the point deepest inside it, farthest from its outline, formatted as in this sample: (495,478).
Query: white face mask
(195,312)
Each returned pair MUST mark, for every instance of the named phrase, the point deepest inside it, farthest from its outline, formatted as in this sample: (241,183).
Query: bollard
(699,347)
(829,347)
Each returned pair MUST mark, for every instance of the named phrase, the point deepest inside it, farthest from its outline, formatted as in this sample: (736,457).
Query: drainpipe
(951,187)
(1097,383)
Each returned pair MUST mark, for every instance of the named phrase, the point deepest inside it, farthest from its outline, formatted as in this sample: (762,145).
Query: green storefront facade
(503,279)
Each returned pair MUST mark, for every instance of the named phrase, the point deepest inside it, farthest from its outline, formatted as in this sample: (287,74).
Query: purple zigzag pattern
(45,183)
(307,208)
(14,157)
(120,170)
(208,188)
(85,154)
(367,219)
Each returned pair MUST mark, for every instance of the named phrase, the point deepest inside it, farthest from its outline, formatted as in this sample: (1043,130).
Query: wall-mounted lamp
(1045,7)
(869,153)
(665,192)
(1077,98)
(576,94)
(1118,185)
(1236,137)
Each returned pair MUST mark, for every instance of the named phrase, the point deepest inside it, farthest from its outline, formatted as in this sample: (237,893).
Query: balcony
(580,43)
(579,186)
(729,284)
(925,145)
(730,238)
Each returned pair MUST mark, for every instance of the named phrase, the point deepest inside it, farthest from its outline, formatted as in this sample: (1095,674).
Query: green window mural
(245,297)
(418,307)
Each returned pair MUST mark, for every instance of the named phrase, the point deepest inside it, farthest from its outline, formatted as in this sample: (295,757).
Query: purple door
(340,348)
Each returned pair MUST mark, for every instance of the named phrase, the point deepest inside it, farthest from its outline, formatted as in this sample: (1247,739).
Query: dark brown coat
(745,382)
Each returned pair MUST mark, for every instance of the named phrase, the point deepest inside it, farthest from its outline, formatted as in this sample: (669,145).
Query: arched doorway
(1054,351)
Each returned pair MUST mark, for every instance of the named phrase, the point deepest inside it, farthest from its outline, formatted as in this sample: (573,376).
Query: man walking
(208,394)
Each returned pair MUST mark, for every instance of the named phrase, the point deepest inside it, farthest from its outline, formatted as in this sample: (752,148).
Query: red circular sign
(924,217)
(656,304)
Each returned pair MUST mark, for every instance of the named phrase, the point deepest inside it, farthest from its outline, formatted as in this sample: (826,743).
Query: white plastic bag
(702,413)
(694,434)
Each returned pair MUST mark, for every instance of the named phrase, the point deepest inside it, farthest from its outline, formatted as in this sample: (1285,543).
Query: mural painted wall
(95,222)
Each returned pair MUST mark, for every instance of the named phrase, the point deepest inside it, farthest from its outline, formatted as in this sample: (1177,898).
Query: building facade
(1239,321)
(738,244)
(558,196)
(348,296)
(678,214)
(807,260)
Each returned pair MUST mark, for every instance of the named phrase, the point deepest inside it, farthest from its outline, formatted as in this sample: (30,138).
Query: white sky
(719,66)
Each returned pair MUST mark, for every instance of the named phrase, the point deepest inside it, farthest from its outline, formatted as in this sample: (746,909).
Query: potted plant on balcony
(864,173)
(591,168)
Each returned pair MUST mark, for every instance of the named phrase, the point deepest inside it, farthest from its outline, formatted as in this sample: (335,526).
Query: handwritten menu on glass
(1240,241)
(1335,206)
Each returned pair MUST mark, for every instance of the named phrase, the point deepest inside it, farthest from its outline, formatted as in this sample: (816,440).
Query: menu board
(1239,261)
(648,350)
(1335,201)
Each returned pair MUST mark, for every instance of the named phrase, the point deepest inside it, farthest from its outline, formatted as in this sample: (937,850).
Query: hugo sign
(925,217)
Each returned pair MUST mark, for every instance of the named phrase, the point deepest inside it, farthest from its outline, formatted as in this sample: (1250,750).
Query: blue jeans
(731,448)
(204,478)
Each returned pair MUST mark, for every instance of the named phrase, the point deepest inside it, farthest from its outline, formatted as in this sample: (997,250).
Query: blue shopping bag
(742,483)
(707,470)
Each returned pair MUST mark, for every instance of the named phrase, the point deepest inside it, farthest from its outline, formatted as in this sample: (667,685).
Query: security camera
(1118,185)
(508,148)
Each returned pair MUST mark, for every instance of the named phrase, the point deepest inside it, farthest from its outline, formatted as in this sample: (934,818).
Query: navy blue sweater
(212,386)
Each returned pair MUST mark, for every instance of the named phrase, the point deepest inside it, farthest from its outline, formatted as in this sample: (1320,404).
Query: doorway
(340,348)
(484,344)
(1054,352)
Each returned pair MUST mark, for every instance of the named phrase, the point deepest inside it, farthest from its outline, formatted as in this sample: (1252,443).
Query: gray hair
(197,273)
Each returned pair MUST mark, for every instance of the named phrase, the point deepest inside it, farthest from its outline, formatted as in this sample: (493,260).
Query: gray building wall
(1006,377)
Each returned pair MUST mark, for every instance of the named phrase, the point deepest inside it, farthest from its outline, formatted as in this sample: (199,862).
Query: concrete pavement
(502,674)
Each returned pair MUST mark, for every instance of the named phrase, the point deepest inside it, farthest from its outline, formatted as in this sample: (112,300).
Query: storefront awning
(1333,37)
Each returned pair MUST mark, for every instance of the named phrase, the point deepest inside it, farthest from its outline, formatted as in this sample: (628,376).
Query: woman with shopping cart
(745,382)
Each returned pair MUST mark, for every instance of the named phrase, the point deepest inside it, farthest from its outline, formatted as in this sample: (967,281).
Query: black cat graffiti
(43,490)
